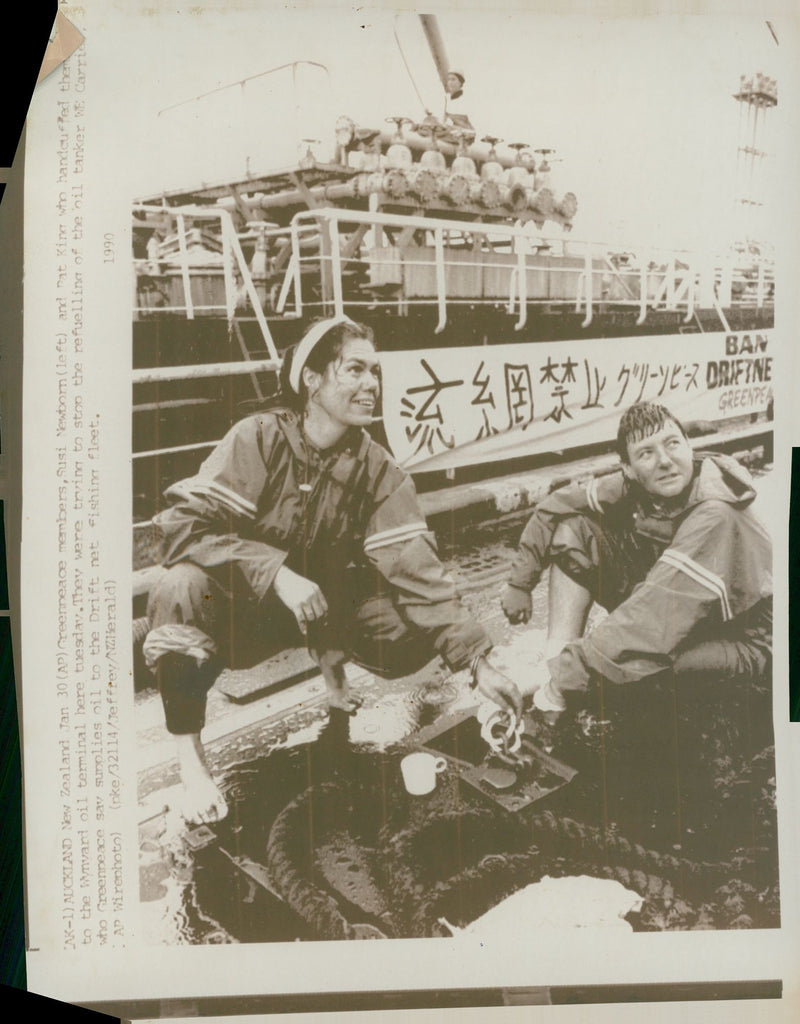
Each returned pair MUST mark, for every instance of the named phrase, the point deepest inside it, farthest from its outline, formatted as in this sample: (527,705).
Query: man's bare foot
(203,802)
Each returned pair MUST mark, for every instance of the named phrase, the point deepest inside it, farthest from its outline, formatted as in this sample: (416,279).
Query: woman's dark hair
(326,351)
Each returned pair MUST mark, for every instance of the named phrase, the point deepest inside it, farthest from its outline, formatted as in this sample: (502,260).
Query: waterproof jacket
(709,577)
(265,497)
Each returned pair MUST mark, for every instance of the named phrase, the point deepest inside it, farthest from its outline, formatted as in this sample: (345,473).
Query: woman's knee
(184,594)
(385,643)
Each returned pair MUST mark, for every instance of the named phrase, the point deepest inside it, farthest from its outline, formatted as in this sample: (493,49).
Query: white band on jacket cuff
(308,343)
(546,700)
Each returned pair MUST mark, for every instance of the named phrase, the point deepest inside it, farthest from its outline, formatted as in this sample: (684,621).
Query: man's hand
(498,688)
(302,597)
(516,604)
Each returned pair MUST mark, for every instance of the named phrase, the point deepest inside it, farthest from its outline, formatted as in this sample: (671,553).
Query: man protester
(670,546)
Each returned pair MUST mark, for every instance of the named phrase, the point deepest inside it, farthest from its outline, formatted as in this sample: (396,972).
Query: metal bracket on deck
(530,777)
(199,838)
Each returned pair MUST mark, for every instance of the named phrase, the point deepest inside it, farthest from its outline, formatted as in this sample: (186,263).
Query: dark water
(674,797)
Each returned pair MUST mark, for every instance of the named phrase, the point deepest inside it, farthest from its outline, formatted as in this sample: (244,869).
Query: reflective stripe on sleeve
(235,502)
(706,578)
(394,536)
(591,496)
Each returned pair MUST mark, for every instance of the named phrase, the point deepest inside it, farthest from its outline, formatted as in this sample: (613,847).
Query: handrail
(252,294)
(288,281)
(691,287)
(230,245)
(160,374)
(512,290)
(298,286)
(441,282)
(720,313)
(336,273)
(619,277)
(508,231)
(227,270)
(521,246)
(642,293)
(588,286)
(659,280)
(760,286)
(184,253)
(579,291)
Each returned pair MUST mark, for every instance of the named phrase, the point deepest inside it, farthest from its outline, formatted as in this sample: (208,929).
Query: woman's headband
(308,343)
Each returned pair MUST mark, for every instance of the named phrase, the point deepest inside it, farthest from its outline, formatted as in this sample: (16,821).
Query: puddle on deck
(351,848)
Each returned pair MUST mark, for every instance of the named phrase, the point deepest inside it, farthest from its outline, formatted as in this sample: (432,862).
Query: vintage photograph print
(452,422)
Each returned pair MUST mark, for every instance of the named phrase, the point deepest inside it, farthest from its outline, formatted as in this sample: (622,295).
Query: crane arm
(430,26)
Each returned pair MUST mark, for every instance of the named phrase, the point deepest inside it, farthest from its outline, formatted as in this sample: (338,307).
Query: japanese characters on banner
(508,400)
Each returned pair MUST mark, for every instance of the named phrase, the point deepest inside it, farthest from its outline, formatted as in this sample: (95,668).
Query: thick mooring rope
(507,853)
(290,862)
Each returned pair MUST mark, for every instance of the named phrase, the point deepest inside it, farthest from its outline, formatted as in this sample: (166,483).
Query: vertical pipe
(580,288)
(691,284)
(522,281)
(184,254)
(760,288)
(512,290)
(589,271)
(441,290)
(298,276)
(336,265)
(670,289)
(642,292)
(230,297)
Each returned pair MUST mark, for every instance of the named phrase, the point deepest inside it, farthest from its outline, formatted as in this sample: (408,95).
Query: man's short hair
(640,421)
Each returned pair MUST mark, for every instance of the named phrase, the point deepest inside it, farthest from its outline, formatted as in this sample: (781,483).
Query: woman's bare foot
(203,802)
(346,701)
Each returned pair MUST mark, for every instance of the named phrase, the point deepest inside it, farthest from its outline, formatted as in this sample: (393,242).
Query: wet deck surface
(267,753)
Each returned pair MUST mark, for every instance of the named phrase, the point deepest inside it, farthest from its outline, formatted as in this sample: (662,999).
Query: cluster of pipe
(474,177)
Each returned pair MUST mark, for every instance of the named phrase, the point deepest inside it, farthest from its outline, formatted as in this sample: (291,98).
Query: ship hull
(473,398)
(446,409)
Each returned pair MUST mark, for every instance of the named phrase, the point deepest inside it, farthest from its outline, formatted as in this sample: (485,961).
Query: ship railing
(232,262)
(591,273)
(453,266)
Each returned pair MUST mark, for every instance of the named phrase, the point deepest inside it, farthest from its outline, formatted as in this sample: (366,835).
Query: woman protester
(299,520)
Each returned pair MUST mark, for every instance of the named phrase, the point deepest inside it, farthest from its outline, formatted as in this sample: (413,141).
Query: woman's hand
(498,688)
(517,604)
(302,597)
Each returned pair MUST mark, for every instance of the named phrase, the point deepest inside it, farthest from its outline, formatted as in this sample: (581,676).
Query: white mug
(420,771)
